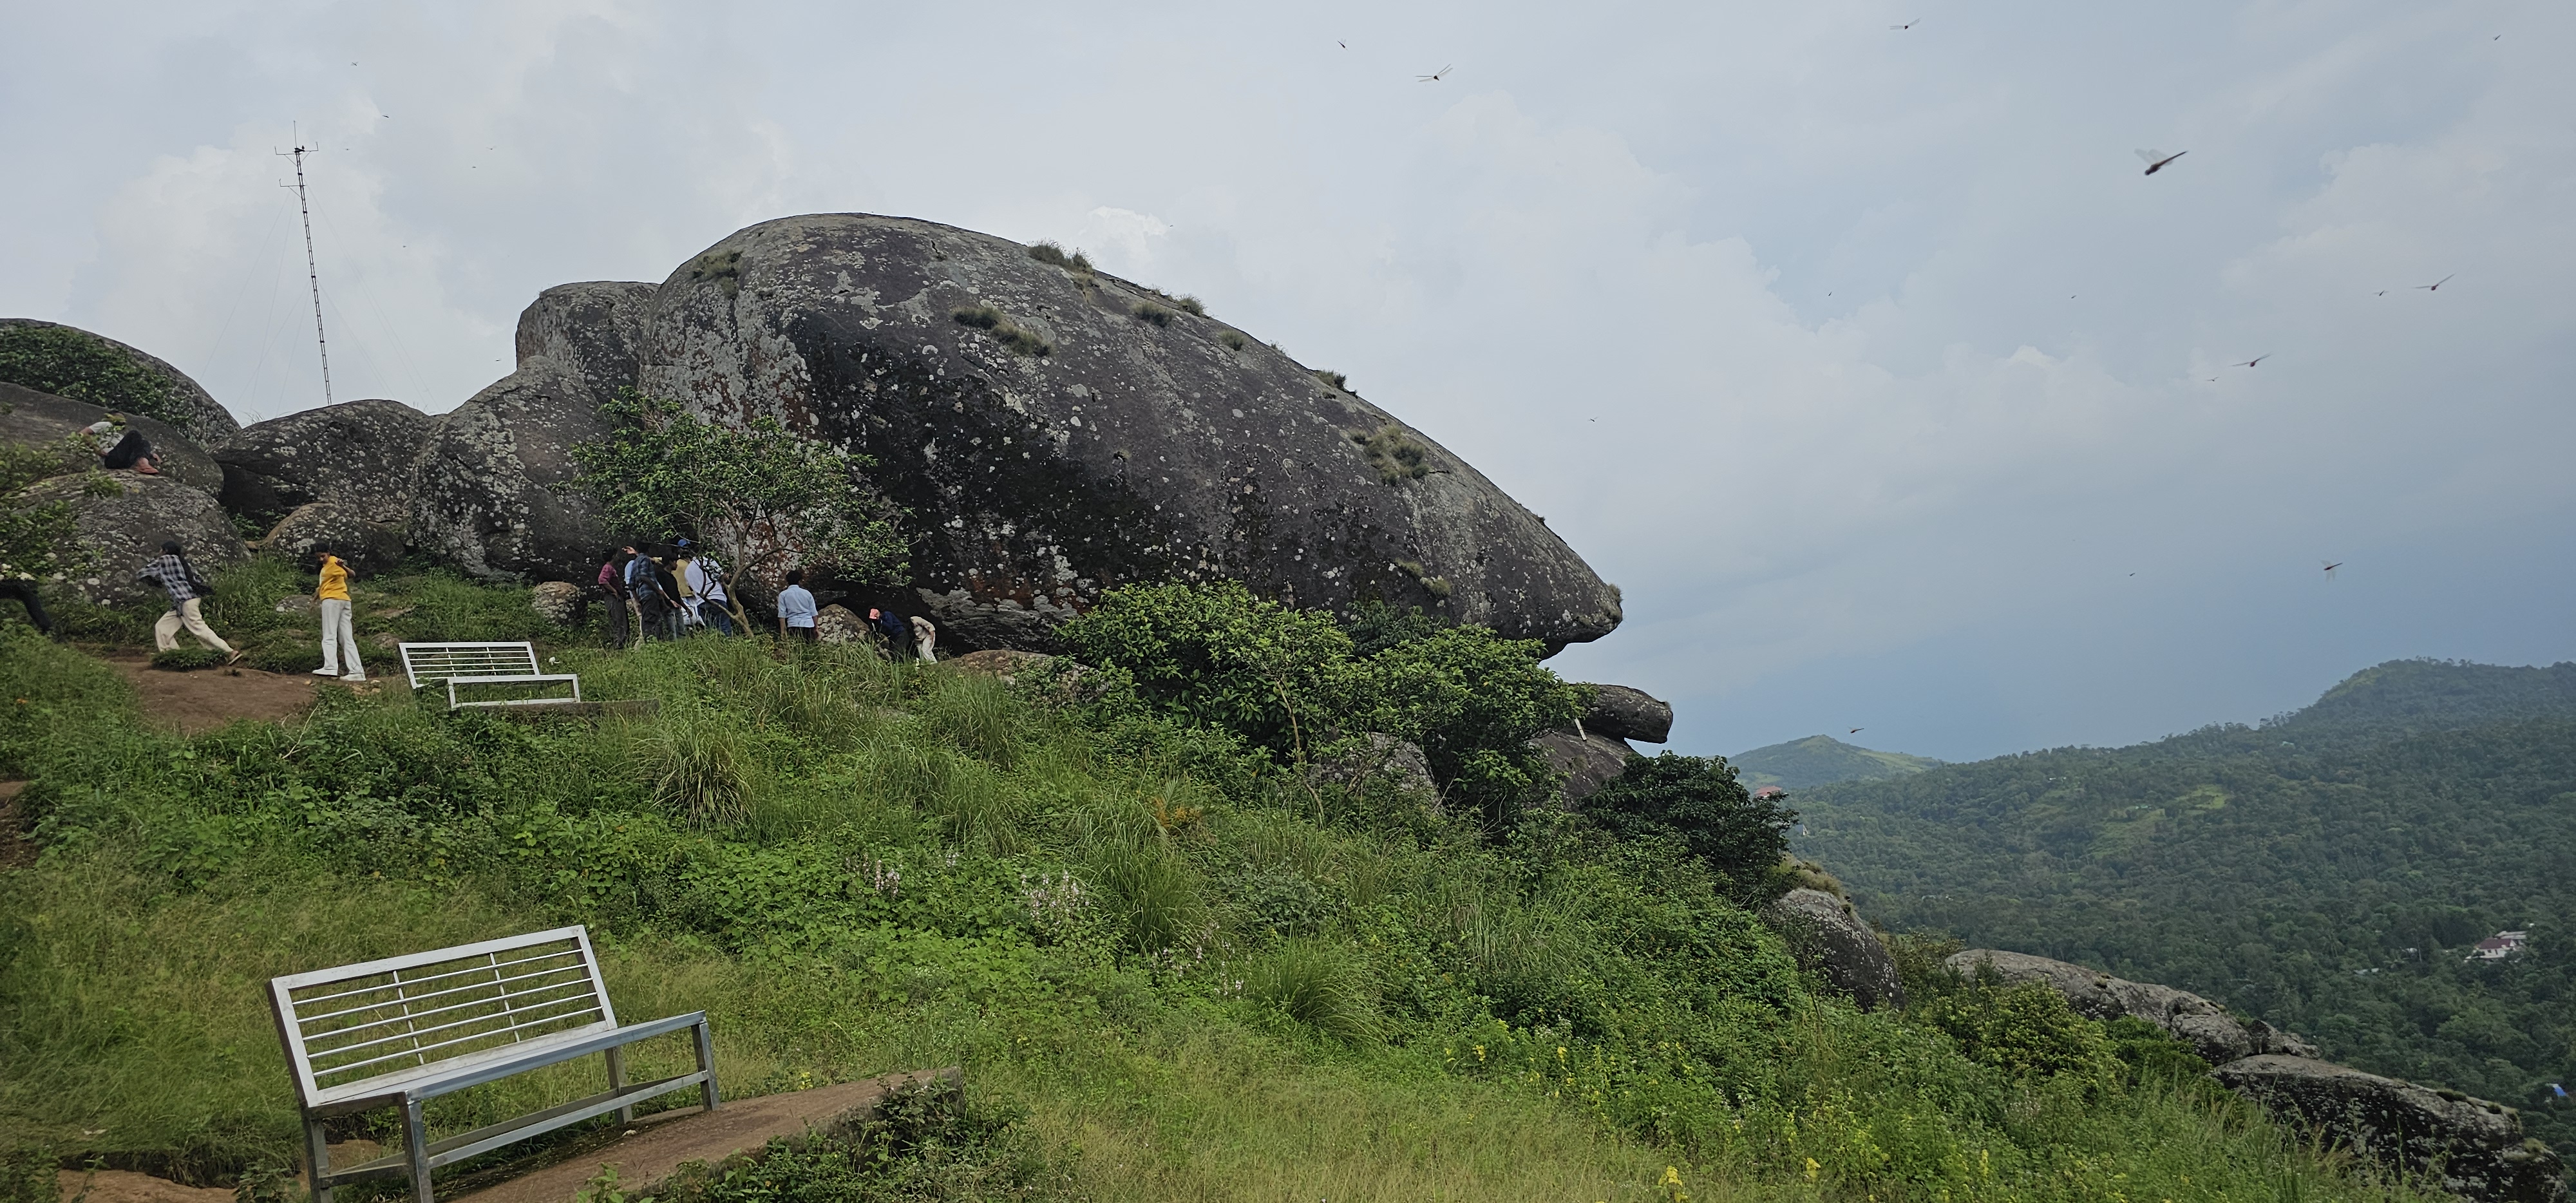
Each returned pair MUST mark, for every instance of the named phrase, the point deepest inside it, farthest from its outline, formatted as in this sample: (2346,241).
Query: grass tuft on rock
(1393,453)
(1052,252)
(1012,337)
(1150,313)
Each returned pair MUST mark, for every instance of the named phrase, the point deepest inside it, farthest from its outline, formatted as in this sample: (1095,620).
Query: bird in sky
(2435,286)
(2331,565)
(2156,159)
(1856,730)
(1344,45)
(2252,362)
(1908,25)
(1434,77)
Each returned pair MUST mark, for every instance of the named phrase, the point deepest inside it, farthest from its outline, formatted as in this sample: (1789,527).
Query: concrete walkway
(660,1144)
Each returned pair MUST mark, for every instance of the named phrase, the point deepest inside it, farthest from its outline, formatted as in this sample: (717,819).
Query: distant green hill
(1822,760)
(2327,870)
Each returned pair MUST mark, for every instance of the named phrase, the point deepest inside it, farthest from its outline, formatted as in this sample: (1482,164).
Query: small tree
(37,541)
(1697,802)
(763,496)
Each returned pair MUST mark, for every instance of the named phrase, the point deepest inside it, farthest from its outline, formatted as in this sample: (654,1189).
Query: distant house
(1768,792)
(2499,946)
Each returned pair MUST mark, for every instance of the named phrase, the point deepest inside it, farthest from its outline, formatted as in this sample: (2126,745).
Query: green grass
(1150,313)
(1191,986)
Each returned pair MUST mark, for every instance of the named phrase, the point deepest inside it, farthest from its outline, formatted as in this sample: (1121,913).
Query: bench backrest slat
(359,1022)
(430,663)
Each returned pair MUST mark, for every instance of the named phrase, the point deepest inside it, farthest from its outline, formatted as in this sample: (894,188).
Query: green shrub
(1472,700)
(2026,1030)
(27,1174)
(83,367)
(1149,312)
(1191,305)
(1216,654)
(1697,802)
(1054,253)
(1332,379)
(1314,983)
(100,485)
(924,1144)
(1009,334)
(187,659)
(1233,339)
(1375,626)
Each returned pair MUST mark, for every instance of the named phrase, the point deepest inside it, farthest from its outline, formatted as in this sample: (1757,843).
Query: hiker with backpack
(705,582)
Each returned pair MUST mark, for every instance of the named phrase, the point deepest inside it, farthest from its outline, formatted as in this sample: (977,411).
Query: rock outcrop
(1624,713)
(42,422)
(2474,1148)
(492,493)
(2218,1036)
(1373,758)
(837,623)
(1059,432)
(358,455)
(559,602)
(123,528)
(368,547)
(1828,936)
(1589,761)
(184,404)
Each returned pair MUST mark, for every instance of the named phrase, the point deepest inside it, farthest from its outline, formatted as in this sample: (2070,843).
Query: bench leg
(317,1160)
(617,1082)
(706,1061)
(416,1147)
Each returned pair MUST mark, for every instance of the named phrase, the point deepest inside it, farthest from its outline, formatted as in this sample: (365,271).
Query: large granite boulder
(2218,1036)
(44,422)
(122,519)
(2474,1148)
(1589,761)
(1624,713)
(492,491)
(68,361)
(368,547)
(1828,937)
(1057,432)
(357,455)
(593,329)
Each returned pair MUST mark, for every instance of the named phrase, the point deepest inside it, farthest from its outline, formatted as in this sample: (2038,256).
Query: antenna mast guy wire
(312,274)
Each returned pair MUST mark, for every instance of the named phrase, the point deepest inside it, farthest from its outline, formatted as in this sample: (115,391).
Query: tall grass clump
(702,771)
(1313,983)
(1150,313)
(1052,252)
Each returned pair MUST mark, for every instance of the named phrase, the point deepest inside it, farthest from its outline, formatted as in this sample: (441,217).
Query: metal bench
(404,1030)
(483,664)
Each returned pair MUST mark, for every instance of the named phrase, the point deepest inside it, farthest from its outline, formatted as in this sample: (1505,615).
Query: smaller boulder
(2218,1036)
(358,454)
(2475,1148)
(1376,757)
(365,546)
(1623,713)
(45,423)
(836,623)
(1829,938)
(122,520)
(1589,761)
(558,602)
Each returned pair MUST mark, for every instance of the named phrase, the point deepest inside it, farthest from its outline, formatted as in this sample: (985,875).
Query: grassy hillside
(2326,871)
(1823,760)
(1190,975)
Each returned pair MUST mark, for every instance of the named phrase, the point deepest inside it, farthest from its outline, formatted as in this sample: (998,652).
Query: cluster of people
(187,588)
(668,597)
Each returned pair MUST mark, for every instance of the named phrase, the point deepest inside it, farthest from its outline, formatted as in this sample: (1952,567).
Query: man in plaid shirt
(174,573)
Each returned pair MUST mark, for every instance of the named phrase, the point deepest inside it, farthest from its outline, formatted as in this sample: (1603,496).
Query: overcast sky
(1864,359)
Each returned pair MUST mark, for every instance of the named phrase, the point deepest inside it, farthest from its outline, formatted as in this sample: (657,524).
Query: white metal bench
(483,664)
(404,1030)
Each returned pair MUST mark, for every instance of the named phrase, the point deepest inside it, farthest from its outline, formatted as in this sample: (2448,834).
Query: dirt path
(200,701)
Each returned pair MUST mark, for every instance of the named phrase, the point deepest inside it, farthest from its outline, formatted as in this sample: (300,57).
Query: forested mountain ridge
(1822,760)
(2327,871)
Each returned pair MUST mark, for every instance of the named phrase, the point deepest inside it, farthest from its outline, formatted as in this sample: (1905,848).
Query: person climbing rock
(339,623)
(892,628)
(925,635)
(186,587)
(120,448)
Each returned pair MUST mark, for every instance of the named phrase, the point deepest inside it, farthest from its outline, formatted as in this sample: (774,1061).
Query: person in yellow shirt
(339,627)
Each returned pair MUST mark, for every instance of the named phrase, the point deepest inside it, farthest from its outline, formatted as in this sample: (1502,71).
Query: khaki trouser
(165,633)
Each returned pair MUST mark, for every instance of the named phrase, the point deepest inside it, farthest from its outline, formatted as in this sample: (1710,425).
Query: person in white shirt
(705,583)
(796,608)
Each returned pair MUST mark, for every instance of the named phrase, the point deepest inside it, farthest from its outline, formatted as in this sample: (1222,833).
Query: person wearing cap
(339,623)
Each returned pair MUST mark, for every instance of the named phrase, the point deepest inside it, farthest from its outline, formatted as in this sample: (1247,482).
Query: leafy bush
(2026,1030)
(1215,654)
(83,367)
(1471,699)
(1375,626)
(1697,802)
(923,1144)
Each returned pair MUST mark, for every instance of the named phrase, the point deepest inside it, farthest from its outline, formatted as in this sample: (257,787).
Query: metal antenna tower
(312,274)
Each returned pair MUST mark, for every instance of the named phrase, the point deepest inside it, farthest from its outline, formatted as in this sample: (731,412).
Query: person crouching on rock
(796,608)
(339,624)
(172,571)
(120,448)
(925,635)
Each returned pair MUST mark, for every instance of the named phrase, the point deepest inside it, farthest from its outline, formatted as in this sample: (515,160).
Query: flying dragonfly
(2251,362)
(1435,76)
(2156,159)
(2435,286)
(2331,565)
